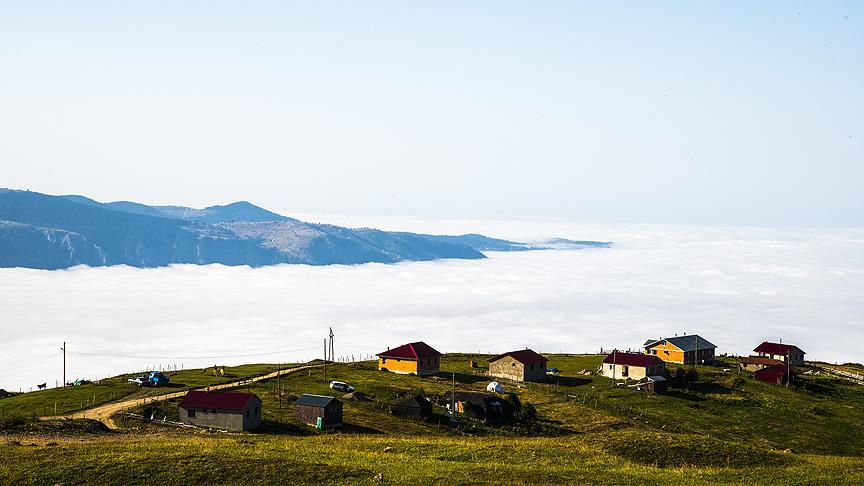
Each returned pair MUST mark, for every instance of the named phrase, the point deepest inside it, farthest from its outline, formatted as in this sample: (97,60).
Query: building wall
(633,372)
(667,352)
(331,415)
(672,354)
(508,368)
(402,366)
(237,420)
(429,366)
(796,357)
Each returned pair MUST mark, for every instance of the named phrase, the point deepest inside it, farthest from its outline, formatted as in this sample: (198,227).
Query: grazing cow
(42,386)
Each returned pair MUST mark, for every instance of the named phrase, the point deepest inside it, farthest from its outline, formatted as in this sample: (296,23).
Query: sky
(734,286)
(716,113)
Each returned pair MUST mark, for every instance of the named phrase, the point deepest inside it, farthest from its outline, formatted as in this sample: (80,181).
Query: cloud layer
(735,286)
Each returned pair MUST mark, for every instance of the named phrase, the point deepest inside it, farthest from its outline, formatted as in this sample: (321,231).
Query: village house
(411,359)
(691,349)
(522,365)
(417,407)
(624,366)
(756,363)
(320,411)
(480,406)
(226,411)
(781,352)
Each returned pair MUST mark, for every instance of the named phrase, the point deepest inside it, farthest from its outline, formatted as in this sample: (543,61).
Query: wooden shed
(777,374)
(221,410)
(418,407)
(308,409)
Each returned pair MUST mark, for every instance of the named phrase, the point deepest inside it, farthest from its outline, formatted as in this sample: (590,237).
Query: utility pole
(331,343)
(64,363)
(453,398)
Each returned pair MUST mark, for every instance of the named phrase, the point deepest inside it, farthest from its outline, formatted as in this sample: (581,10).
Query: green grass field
(723,427)
(74,398)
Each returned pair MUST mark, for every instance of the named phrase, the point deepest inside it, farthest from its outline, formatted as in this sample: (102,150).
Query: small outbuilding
(626,366)
(756,363)
(777,374)
(221,410)
(480,406)
(411,359)
(781,352)
(320,411)
(522,365)
(417,407)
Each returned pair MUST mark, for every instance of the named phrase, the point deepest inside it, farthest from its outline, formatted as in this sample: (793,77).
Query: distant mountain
(52,232)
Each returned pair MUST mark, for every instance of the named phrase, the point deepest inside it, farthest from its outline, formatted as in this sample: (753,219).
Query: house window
(247,413)
(625,370)
(191,413)
(654,352)
(383,360)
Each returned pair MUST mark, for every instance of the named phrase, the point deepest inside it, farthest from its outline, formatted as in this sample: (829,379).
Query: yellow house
(411,359)
(681,349)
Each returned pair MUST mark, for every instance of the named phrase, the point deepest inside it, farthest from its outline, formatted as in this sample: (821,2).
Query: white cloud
(735,286)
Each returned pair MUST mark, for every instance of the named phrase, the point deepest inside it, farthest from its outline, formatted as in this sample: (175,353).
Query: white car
(341,386)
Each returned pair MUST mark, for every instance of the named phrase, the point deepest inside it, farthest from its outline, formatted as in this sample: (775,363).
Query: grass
(70,399)
(724,427)
(358,459)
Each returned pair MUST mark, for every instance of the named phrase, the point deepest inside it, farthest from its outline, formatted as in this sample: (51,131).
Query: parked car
(341,386)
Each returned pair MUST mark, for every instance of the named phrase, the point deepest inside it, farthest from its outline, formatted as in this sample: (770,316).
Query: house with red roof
(522,365)
(781,352)
(625,366)
(411,359)
(221,410)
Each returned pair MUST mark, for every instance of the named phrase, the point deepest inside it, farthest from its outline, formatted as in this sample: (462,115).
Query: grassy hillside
(718,425)
(612,458)
(70,399)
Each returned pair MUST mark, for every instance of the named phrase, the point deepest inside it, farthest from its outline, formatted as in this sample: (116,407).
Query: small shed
(418,407)
(655,384)
(756,363)
(480,406)
(777,374)
(220,410)
(308,409)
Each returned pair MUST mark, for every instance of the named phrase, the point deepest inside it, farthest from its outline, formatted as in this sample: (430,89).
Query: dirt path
(104,413)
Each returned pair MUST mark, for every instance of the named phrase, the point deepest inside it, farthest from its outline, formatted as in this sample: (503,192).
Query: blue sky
(646,112)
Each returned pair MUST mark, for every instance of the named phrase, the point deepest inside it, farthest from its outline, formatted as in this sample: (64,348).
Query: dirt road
(104,413)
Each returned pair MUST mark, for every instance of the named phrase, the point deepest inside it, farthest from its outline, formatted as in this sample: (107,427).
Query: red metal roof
(776,348)
(524,356)
(632,359)
(216,400)
(411,351)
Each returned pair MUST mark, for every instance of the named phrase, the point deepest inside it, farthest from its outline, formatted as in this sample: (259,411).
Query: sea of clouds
(734,286)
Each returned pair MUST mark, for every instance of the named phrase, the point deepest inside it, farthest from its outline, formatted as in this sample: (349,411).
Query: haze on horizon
(637,112)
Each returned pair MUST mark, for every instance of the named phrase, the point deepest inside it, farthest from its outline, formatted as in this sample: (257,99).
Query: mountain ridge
(53,232)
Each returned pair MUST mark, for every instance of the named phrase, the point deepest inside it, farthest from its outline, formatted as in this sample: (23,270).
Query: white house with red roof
(522,365)
(781,352)
(411,359)
(623,366)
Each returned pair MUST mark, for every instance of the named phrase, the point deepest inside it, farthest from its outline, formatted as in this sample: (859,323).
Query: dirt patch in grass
(679,450)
